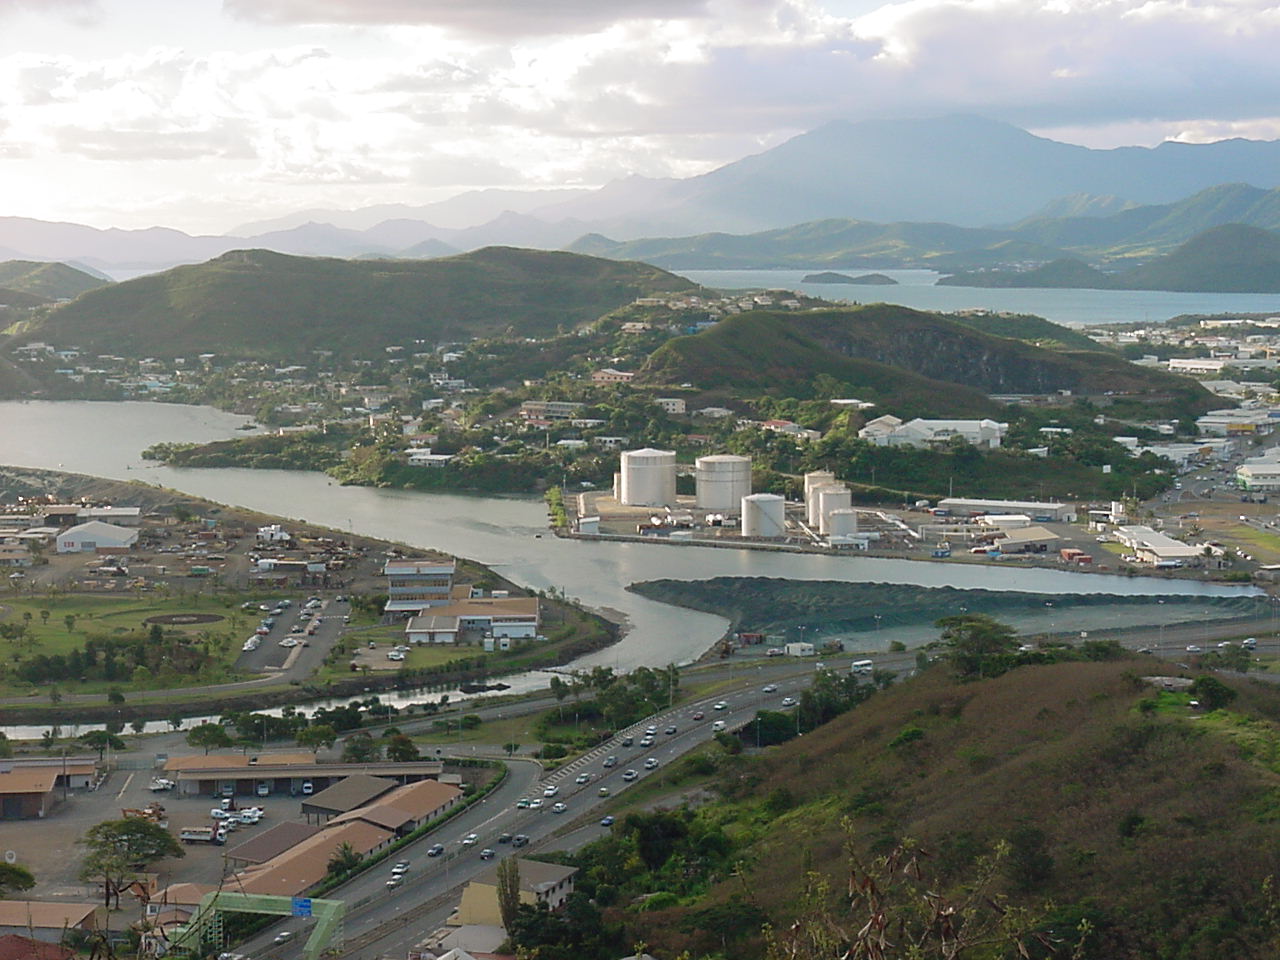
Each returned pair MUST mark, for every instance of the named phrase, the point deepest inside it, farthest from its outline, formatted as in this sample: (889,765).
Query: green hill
(1229,259)
(1032,329)
(1233,258)
(900,358)
(1121,804)
(49,281)
(1062,273)
(259,303)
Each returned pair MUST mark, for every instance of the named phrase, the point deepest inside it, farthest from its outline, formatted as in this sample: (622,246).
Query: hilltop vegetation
(47,281)
(902,359)
(254,302)
(1135,825)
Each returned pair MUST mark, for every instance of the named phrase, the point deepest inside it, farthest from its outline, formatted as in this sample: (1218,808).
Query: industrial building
(96,537)
(549,884)
(1040,512)
(1155,548)
(722,481)
(648,478)
(1259,474)
(415,584)
(47,921)
(889,431)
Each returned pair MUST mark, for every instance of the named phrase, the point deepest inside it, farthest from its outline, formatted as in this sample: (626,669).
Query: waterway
(1073,308)
(507,533)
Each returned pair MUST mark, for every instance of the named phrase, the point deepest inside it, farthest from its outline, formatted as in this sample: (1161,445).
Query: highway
(381,921)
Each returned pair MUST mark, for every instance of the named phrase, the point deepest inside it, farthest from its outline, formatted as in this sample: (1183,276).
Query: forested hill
(259,303)
(899,358)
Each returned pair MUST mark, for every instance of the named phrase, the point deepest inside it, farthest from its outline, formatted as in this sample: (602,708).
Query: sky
(204,114)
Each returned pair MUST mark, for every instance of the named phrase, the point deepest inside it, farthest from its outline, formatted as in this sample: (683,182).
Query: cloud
(494,18)
(223,139)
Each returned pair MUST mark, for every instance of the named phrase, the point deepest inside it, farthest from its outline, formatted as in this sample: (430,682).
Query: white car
(471,839)
(1192,648)
(722,705)
(551,791)
(583,778)
(559,808)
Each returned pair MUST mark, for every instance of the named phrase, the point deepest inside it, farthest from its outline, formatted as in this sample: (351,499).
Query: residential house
(549,884)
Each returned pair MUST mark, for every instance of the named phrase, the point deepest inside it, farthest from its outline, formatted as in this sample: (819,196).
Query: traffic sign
(302,906)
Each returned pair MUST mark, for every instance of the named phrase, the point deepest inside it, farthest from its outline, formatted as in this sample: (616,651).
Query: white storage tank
(813,504)
(842,523)
(764,515)
(817,478)
(830,499)
(648,478)
(722,480)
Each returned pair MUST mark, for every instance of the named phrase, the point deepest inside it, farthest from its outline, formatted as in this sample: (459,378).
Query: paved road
(380,921)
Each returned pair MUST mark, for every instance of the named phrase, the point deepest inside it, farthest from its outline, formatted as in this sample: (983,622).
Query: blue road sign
(302,906)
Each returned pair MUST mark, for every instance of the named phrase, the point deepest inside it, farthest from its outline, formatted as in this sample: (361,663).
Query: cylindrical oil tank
(829,499)
(842,523)
(813,504)
(722,481)
(817,478)
(764,515)
(648,478)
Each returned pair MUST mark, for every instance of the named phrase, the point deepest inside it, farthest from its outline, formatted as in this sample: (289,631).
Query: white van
(861,667)
(717,726)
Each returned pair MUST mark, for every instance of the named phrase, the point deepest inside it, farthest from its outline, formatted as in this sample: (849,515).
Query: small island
(868,279)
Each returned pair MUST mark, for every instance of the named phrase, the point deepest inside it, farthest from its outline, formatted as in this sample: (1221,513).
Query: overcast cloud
(116,112)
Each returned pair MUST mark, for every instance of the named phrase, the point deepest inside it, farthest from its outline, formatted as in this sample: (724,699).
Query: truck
(198,835)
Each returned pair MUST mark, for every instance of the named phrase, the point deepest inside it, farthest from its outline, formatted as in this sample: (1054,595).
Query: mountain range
(911,177)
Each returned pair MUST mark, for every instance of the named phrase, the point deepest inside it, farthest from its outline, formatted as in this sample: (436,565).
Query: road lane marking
(128,780)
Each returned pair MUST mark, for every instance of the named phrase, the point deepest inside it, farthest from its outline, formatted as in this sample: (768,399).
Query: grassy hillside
(1032,329)
(1121,804)
(882,351)
(1227,259)
(259,303)
(49,281)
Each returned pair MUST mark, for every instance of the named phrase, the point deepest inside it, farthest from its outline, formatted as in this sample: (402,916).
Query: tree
(101,739)
(14,878)
(1212,693)
(316,736)
(119,849)
(360,748)
(345,858)
(70,621)
(6,748)
(400,749)
(509,891)
(977,645)
(209,736)
(115,696)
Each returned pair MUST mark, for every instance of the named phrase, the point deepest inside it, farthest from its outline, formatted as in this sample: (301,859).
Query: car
(651,763)
(610,761)
(219,814)
(606,822)
(471,839)
(769,688)
(296,628)
(603,791)
(519,840)
(1249,643)
(340,599)
(307,788)
(672,730)
(535,803)
(1192,648)
(646,742)
(551,791)
(402,866)
(395,882)
(628,741)
(698,715)
(630,775)
(522,803)
(651,729)
(789,701)
(717,726)
(1146,650)
(487,853)
(504,838)
(722,705)
(583,778)
(435,850)
(1224,644)
(289,642)
(559,808)
(284,936)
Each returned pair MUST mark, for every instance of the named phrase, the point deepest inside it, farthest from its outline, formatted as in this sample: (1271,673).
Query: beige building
(547,883)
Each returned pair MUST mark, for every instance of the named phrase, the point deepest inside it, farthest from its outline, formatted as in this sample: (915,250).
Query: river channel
(507,533)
